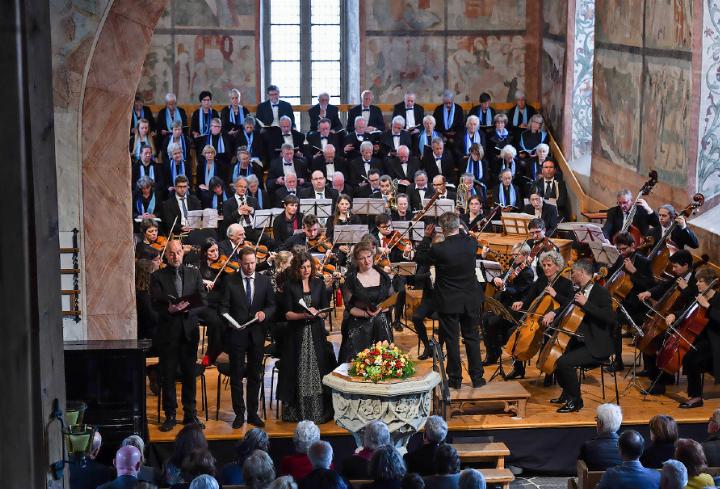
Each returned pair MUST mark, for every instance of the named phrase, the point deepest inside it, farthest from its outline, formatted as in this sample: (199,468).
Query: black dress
(359,333)
(306,357)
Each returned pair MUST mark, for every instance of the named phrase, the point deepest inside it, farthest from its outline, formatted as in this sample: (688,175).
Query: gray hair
(438,140)
(204,481)
(258,470)
(436,428)
(542,146)
(232,228)
(449,222)
(144,182)
(519,94)
(584,265)
(522,248)
(471,479)
(170,96)
(469,176)
(500,117)
(234,91)
(376,434)
(366,144)
(306,433)
(431,119)
(508,149)
(624,193)
(323,93)
(674,475)
(285,118)
(250,120)
(174,147)
(320,454)
(472,118)
(240,177)
(420,173)
(252,179)
(386,464)
(398,119)
(283,482)
(609,417)
(537,118)
(671,210)
(287,146)
(448,94)
(338,175)
(504,171)
(137,442)
(554,257)
(359,118)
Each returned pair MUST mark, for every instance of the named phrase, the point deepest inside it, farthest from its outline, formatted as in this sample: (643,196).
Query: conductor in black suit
(371,113)
(324,110)
(593,343)
(411,112)
(457,295)
(268,113)
(248,295)
(177,334)
(618,215)
(547,212)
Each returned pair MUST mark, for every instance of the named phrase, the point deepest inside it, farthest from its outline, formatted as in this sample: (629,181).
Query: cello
(660,253)
(629,227)
(684,331)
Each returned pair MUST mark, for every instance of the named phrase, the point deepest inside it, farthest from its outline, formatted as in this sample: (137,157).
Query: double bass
(683,333)
(629,227)
(660,253)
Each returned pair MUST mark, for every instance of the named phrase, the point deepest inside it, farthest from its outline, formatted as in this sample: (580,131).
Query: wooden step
(498,476)
(483,452)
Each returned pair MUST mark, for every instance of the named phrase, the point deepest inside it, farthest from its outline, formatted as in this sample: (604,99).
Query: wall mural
(583,77)
(553,83)
(708,163)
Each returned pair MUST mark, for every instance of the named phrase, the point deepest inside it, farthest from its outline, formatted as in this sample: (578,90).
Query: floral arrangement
(382,361)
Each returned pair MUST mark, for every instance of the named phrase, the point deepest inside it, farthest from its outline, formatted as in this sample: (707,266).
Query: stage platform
(541,424)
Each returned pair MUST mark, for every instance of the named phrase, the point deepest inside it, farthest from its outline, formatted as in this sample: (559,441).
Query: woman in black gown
(365,287)
(209,315)
(306,355)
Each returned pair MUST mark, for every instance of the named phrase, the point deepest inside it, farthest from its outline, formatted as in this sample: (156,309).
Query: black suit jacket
(260,195)
(352,138)
(280,229)
(642,220)
(276,170)
(711,446)
(447,164)
(331,113)
(387,144)
(122,482)
(313,144)
(457,125)
(597,323)
(394,168)
(376,118)
(172,327)
(264,113)
(460,144)
(318,164)
(234,302)
(421,461)
(279,195)
(418,112)
(549,215)
(171,210)
(195,120)
(161,121)
(158,171)
(642,279)
(457,290)
(257,148)
(683,238)
(89,474)
(357,170)
(231,214)
(146,114)
(227,126)
(309,193)
(563,201)
(274,140)
(477,111)
(601,452)
(414,196)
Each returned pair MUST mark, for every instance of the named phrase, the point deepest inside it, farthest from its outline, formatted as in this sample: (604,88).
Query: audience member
(630,474)
(412,481)
(663,435)
(147,473)
(601,452)
(258,470)
(386,469)
(447,469)
(298,464)
(711,446)
(673,475)
(190,437)
(421,460)
(471,479)
(255,439)
(198,462)
(322,476)
(204,481)
(376,434)
(127,462)
(283,482)
(691,454)
(89,473)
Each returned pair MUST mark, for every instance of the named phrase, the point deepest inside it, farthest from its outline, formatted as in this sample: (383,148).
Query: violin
(321,244)
(159,244)
(541,246)
(225,265)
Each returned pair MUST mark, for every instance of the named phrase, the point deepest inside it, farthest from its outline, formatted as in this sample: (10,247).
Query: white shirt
(421,191)
(587,290)
(330,170)
(438,162)
(288,169)
(323,111)
(323,142)
(409,117)
(396,141)
(366,113)
(276,119)
(183,218)
(367,166)
(319,194)
(404,167)
(289,139)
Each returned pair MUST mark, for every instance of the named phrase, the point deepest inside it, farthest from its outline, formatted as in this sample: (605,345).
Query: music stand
(194,219)
(516,223)
(440,207)
(405,268)
(368,207)
(349,234)
(494,306)
(320,208)
(487,270)
(263,218)
(416,233)
(605,254)
(587,232)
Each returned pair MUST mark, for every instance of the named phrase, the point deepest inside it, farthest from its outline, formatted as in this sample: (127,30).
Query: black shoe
(548,380)
(455,384)
(255,420)
(615,367)
(398,326)
(691,405)
(425,354)
(238,422)
(153,380)
(168,424)
(516,373)
(657,390)
(644,373)
(558,400)
(479,382)
(571,407)
(490,360)
(193,420)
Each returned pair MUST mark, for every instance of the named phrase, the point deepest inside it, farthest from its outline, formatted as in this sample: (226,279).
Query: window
(303,42)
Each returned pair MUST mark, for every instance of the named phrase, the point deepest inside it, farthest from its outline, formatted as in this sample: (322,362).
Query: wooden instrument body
(671,355)
(655,326)
(661,261)
(619,285)
(524,342)
(558,343)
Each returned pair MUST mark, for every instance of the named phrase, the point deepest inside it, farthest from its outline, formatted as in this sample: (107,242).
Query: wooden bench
(482,452)
(498,476)
(588,479)
(512,394)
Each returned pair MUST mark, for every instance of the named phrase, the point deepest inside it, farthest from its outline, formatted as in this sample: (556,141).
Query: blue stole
(501,196)
(150,208)
(215,202)
(422,142)
(169,121)
(543,135)
(249,138)
(240,116)
(471,168)
(174,172)
(220,147)
(150,174)
(204,124)
(468,142)
(512,167)
(135,117)
(446,117)
(138,145)
(209,174)
(488,118)
(259,198)
(516,113)
(238,172)
(502,136)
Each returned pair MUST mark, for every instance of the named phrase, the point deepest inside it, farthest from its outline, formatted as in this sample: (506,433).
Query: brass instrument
(391,203)
(462,199)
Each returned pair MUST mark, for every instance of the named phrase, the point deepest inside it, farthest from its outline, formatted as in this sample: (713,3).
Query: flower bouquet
(382,361)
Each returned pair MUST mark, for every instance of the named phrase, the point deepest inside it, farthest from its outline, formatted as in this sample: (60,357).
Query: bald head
(128,461)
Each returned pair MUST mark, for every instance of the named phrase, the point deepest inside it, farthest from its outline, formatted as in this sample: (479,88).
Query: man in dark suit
(402,168)
(269,112)
(681,236)
(439,184)
(391,140)
(178,205)
(290,188)
(141,111)
(239,208)
(353,140)
(127,462)
(616,216)
(339,185)
(412,112)
(317,141)
(449,117)
(177,334)
(438,161)
(457,294)
(594,341)
(275,137)
(370,188)
(88,473)
(630,474)
(548,186)
(601,452)
(520,114)
(247,295)
(283,166)
(361,166)
(319,189)
(200,120)
(324,110)
(484,112)
(547,212)
(329,163)
(421,460)
(420,190)
(169,114)
(371,113)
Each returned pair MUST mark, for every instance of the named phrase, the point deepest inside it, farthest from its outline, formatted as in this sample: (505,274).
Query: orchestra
(544,309)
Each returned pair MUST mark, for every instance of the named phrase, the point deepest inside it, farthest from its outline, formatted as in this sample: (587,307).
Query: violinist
(310,236)
(210,264)
(593,343)
(290,221)
(512,286)
(616,216)
(235,238)
(705,357)
(538,243)
(151,241)
(341,217)
(474,218)
(401,251)
(681,236)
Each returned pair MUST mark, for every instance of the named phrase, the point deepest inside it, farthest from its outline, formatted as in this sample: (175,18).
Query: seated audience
(663,435)
(298,464)
(322,476)
(255,439)
(471,479)
(204,481)
(691,454)
(673,475)
(376,434)
(198,462)
(258,470)
(89,473)
(447,469)
(147,473)
(601,452)
(283,482)
(421,460)
(386,469)
(711,446)
(127,462)
(412,481)
(630,474)
(190,437)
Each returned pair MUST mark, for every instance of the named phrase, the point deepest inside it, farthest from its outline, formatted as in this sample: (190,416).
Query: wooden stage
(540,413)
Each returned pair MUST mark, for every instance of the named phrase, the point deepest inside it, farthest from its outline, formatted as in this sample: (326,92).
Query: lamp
(74,413)
(79,440)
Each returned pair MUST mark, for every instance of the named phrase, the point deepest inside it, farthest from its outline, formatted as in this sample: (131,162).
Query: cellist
(706,355)
(593,343)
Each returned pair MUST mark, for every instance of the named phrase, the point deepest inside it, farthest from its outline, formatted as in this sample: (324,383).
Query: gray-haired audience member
(283,482)
(386,468)
(298,464)
(674,475)
(204,481)
(376,434)
(258,470)
(421,460)
(711,446)
(471,479)
(601,452)
(322,476)
(255,439)
(91,473)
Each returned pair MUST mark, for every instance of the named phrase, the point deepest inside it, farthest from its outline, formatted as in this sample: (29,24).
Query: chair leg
(204,395)
(617,392)
(602,380)
(219,388)
(160,390)
(262,396)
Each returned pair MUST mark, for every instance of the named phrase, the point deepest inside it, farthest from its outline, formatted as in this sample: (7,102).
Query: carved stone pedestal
(404,405)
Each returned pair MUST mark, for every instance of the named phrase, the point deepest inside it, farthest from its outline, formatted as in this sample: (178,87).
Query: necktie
(178,282)
(319,195)
(248,290)
(549,190)
(183,207)
(274,105)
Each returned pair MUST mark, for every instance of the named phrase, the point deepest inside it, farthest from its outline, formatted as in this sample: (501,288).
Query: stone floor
(539,482)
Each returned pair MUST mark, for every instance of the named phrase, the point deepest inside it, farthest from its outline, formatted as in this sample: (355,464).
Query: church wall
(554,59)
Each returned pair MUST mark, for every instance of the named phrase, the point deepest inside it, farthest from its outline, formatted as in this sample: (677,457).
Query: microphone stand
(637,334)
